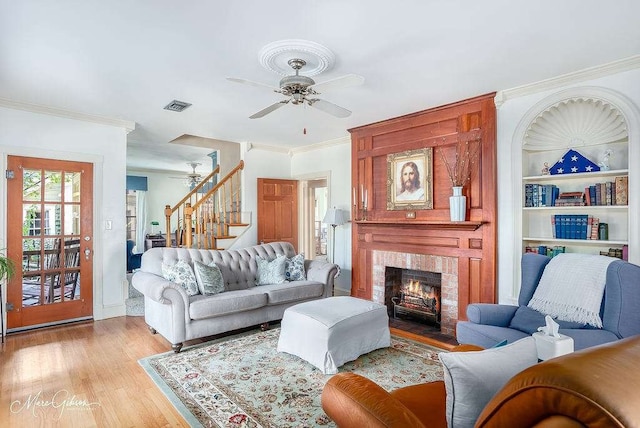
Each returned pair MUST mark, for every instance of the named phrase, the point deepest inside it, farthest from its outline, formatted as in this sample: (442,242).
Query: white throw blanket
(571,288)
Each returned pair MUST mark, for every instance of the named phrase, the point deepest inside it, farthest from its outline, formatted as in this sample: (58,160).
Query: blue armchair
(489,324)
(133,260)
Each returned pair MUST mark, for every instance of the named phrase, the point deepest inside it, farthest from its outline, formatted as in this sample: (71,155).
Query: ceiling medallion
(275,56)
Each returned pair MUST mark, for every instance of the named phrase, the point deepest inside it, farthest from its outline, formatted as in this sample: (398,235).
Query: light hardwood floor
(87,375)
(49,377)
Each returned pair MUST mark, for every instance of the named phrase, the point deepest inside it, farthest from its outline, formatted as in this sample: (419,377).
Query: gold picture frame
(415,190)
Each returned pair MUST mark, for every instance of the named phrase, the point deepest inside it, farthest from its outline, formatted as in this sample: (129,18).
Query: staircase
(213,210)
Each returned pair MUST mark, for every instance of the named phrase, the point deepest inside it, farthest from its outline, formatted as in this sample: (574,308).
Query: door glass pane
(52,219)
(52,186)
(51,243)
(31,181)
(71,278)
(72,219)
(31,255)
(72,186)
(31,220)
(31,289)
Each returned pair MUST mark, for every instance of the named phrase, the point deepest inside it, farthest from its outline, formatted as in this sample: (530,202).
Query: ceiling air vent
(176,105)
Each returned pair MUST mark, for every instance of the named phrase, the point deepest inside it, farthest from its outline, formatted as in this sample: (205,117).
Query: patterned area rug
(241,381)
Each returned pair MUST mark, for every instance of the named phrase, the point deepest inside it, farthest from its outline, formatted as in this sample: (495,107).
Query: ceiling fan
(192,178)
(302,89)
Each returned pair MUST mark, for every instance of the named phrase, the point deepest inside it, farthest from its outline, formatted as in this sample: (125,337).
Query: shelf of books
(577,212)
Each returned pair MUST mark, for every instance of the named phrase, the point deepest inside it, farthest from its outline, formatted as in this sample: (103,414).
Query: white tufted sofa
(179,317)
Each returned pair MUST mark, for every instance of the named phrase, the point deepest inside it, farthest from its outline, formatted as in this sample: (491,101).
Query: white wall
(509,115)
(258,163)
(23,133)
(335,158)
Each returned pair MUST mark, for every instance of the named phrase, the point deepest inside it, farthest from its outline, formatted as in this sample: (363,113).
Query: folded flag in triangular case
(573,162)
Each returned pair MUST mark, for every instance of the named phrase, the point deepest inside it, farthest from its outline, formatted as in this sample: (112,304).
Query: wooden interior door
(278,211)
(50,237)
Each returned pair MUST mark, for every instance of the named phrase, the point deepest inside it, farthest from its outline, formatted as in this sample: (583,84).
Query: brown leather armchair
(595,387)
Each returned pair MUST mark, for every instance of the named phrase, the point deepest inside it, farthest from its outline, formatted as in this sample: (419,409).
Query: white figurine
(551,329)
(604,164)
(545,169)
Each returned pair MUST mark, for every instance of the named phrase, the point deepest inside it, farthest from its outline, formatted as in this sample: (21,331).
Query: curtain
(141,219)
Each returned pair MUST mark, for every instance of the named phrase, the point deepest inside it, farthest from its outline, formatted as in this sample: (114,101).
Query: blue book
(528,195)
(555,192)
(583,223)
(566,231)
(564,226)
(571,227)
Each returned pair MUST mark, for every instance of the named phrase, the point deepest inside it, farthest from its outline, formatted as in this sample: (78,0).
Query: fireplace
(413,294)
(433,278)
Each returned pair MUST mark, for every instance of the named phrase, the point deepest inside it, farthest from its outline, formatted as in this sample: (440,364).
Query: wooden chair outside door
(50,237)
(278,211)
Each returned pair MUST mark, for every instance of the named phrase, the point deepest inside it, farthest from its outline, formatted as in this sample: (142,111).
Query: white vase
(458,204)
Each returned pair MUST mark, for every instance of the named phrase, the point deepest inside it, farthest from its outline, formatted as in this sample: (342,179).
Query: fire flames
(414,294)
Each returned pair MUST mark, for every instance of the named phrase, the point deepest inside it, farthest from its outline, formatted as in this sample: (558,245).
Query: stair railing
(209,215)
(190,198)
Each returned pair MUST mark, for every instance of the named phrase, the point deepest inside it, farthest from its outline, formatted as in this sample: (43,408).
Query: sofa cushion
(294,268)
(209,278)
(271,271)
(230,302)
(528,320)
(473,378)
(292,291)
(182,274)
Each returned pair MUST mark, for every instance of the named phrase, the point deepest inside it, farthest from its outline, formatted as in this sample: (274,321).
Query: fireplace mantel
(437,225)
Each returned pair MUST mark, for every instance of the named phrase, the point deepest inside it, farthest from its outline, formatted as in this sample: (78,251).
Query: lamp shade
(336,217)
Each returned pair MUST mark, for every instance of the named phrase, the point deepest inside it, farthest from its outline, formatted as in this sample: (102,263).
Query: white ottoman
(330,332)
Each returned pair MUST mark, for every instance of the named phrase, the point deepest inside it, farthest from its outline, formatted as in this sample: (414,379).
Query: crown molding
(323,145)
(590,73)
(291,151)
(53,111)
(268,148)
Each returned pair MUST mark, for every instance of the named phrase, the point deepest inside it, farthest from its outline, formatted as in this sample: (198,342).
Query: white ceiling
(127,59)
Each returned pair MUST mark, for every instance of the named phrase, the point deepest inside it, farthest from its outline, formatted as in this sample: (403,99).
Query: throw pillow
(271,272)
(294,268)
(473,378)
(209,278)
(182,274)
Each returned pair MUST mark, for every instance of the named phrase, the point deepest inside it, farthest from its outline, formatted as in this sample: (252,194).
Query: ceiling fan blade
(339,82)
(330,108)
(252,83)
(268,110)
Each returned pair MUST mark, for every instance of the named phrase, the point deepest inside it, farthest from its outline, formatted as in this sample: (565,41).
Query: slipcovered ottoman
(330,332)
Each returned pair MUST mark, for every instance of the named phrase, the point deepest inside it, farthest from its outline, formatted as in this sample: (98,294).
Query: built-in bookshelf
(559,211)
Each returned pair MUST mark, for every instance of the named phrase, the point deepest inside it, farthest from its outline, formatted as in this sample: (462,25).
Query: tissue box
(550,347)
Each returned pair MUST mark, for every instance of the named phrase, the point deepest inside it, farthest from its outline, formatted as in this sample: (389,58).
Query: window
(131,214)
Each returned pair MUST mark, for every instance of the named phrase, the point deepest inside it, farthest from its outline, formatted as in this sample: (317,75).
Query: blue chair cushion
(528,320)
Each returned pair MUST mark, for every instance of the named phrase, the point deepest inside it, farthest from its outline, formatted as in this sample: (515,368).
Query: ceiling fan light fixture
(298,90)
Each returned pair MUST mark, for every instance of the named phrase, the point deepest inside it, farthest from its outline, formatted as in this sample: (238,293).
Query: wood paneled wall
(473,242)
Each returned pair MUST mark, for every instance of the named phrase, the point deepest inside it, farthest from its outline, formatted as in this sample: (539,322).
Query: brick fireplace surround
(447,266)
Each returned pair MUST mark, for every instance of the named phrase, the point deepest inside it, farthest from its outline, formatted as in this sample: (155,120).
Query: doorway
(315,201)
(50,237)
